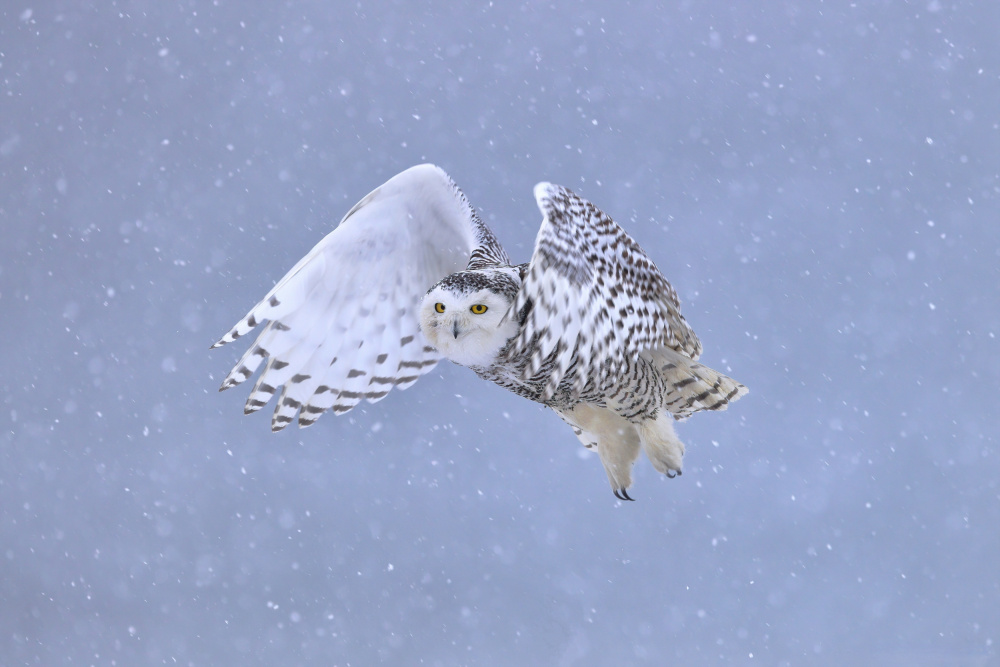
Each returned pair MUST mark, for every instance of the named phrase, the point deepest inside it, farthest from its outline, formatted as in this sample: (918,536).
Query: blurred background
(819,181)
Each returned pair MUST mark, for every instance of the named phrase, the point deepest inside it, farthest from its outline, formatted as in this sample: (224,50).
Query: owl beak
(454,328)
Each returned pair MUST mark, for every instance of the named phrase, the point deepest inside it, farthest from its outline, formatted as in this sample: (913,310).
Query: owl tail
(692,387)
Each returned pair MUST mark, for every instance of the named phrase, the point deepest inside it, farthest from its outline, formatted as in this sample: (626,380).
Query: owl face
(465,325)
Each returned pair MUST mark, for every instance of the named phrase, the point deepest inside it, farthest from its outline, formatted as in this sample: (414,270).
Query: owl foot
(622,494)
(661,444)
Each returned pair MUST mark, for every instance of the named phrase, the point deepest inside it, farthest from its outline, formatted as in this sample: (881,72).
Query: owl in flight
(588,327)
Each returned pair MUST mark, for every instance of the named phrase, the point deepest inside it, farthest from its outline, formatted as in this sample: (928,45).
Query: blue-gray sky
(818,180)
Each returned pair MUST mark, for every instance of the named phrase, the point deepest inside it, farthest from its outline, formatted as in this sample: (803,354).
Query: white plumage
(588,327)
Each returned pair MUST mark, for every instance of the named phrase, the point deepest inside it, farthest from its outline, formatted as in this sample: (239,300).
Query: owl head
(463,315)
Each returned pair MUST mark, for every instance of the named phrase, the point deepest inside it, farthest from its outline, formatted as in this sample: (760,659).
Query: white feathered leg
(661,444)
(616,440)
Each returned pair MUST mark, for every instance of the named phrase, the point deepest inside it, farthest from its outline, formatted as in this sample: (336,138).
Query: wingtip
(228,383)
(279,424)
(228,338)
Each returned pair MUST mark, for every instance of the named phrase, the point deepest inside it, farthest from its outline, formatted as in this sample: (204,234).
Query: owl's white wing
(595,297)
(343,324)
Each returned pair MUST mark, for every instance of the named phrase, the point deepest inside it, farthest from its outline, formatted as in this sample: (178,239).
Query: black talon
(627,497)
(615,491)
(671,474)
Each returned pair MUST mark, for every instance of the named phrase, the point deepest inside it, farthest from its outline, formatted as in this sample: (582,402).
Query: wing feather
(595,297)
(343,325)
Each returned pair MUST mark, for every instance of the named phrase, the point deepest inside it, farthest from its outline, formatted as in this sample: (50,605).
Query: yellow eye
(478,309)
(439,307)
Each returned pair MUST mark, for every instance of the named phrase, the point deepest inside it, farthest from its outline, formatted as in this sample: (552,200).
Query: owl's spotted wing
(343,324)
(595,297)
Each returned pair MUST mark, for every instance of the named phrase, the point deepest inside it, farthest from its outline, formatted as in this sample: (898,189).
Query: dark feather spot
(253,405)
(700,397)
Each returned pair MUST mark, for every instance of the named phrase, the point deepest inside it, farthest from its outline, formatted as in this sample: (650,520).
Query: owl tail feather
(693,387)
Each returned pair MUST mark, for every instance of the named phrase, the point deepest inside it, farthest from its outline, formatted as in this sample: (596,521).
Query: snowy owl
(588,327)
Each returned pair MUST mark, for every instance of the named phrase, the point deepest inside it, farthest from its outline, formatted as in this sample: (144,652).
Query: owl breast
(510,371)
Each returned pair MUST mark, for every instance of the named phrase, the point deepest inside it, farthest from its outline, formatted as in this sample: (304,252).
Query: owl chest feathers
(636,391)
(464,316)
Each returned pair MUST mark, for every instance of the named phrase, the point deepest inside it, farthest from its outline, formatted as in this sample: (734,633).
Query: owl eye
(478,309)
(439,307)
